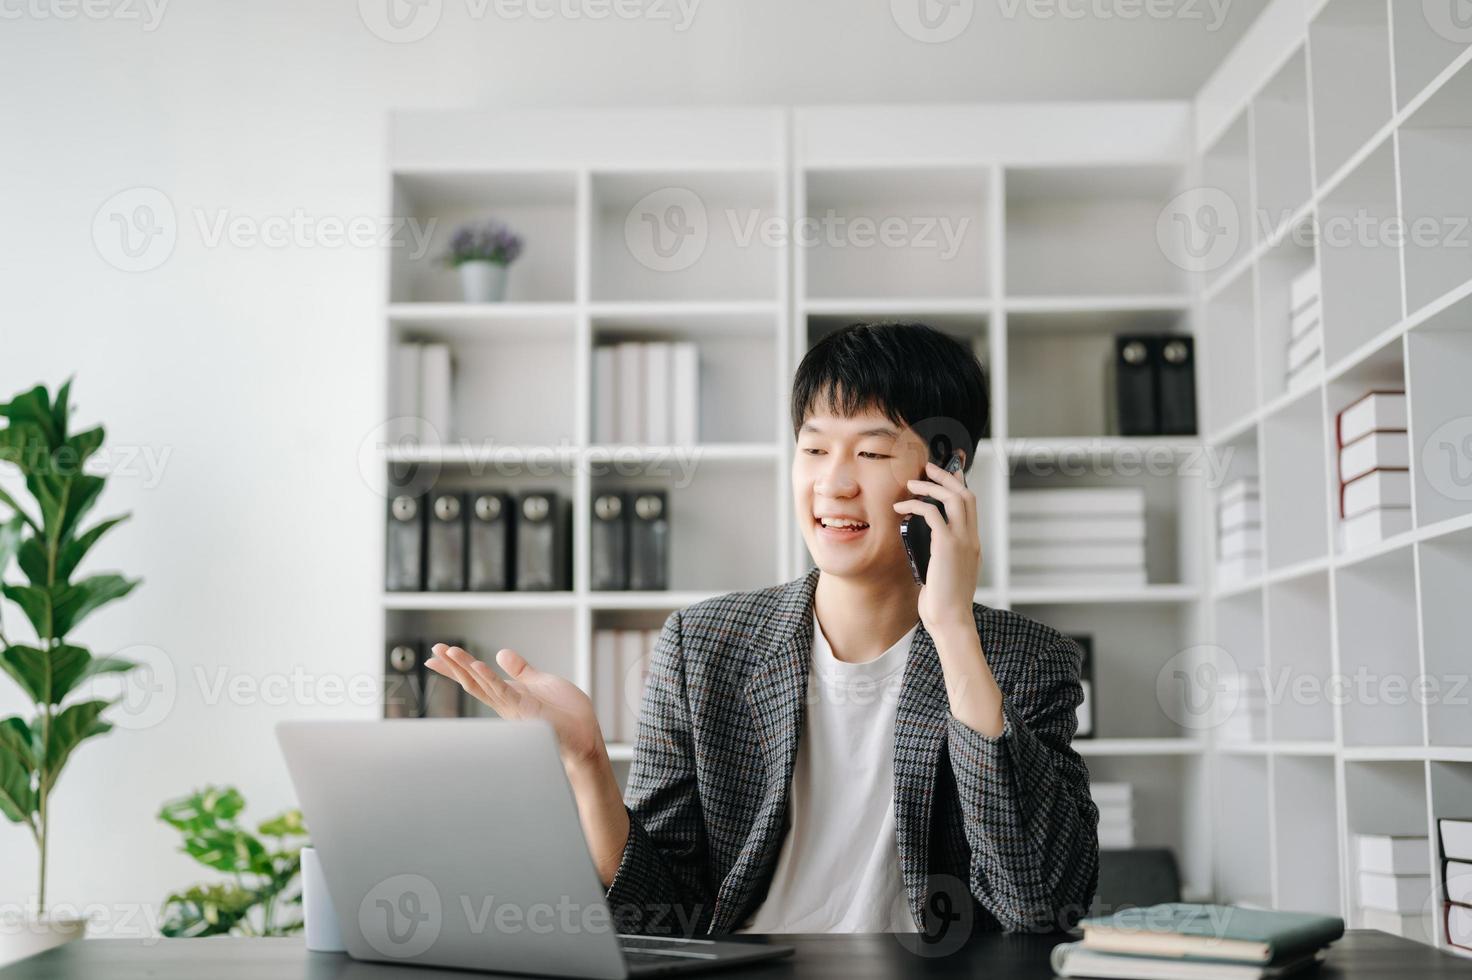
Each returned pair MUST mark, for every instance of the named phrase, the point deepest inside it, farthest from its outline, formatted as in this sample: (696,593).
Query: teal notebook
(1217,932)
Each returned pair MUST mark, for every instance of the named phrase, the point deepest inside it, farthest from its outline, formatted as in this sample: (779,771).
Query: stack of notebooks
(1456,870)
(1116,805)
(1306,340)
(1394,878)
(620,657)
(1183,941)
(646,392)
(1239,531)
(1086,536)
(1249,718)
(1374,469)
(422,394)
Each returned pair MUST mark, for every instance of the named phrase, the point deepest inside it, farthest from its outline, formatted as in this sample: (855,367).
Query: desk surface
(1360,953)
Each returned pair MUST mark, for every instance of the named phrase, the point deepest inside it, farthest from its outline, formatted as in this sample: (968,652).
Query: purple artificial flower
(490,241)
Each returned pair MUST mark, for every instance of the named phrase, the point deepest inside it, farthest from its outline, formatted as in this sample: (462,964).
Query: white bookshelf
(1339,111)
(1056,207)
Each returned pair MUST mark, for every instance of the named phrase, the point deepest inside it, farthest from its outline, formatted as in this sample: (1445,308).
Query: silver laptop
(457,843)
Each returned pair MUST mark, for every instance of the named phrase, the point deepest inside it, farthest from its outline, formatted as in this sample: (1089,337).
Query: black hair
(911,373)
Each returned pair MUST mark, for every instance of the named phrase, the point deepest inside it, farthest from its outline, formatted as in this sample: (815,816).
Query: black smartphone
(915,533)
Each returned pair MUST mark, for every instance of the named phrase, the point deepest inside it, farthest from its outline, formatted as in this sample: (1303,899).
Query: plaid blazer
(1004,825)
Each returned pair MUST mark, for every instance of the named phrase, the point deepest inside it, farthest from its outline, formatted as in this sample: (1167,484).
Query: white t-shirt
(839,867)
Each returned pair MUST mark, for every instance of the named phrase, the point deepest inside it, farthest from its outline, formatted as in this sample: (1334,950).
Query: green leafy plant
(263,886)
(46,540)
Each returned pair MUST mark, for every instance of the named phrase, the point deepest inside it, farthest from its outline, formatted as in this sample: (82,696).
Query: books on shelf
(1406,894)
(1456,870)
(1185,941)
(1305,290)
(1248,720)
(1239,530)
(1116,813)
(1456,838)
(1393,854)
(1374,469)
(422,394)
(646,392)
(1457,877)
(1458,925)
(620,659)
(1078,536)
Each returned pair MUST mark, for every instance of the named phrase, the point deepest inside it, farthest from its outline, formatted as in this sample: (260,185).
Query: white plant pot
(22,936)
(482,282)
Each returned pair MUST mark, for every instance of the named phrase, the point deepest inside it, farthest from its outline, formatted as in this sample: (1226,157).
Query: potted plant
(45,538)
(482,252)
(263,896)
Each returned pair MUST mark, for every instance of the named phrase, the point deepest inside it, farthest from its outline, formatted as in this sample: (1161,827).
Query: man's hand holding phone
(955,548)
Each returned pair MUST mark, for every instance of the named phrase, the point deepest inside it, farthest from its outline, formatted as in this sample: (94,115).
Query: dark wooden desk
(987,957)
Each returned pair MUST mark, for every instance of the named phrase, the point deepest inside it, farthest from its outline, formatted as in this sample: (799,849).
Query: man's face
(846,475)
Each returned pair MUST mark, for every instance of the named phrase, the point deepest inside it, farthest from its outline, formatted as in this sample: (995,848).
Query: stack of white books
(1086,536)
(1394,884)
(1249,718)
(620,660)
(646,392)
(1456,870)
(1116,805)
(1306,333)
(1374,469)
(1239,530)
(422,394)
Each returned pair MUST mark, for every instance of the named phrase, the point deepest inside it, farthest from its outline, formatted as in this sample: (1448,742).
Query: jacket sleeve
(663,880)
(1030,821)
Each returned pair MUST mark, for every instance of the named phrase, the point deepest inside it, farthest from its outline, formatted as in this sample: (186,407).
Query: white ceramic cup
(319,919)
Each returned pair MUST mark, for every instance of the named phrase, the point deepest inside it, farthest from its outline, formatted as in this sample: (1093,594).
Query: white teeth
(840,522)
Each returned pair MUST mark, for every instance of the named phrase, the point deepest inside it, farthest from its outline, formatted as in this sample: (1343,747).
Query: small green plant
(46,539)
(262,896)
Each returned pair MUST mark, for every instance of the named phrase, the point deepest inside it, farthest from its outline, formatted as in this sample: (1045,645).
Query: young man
(848,751)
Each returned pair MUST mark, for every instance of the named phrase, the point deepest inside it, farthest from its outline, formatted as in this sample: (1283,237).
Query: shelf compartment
(1227,167)
(1172,518)
(682,236)
(1424,47)
(1240,639)
(1440,362)
(1359,256)
(1132,645)
(1446,622)
(1241,847)
(1435,158)
(1230,355)
(936,245)
(1088,231)
(737,368)
(1280,126)
(1294,255)
(1382,798)
(1058,367)
(1307,859)
(545,637)
(1349,45)
(712,510)
(1378,650)
(1171,807)
(1451,797)
(1299,631)
(1295,488)
(541,207)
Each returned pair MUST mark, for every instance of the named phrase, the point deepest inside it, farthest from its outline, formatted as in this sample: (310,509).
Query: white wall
(250,372)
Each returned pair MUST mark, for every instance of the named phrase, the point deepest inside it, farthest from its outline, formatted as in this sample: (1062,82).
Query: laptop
(456,843)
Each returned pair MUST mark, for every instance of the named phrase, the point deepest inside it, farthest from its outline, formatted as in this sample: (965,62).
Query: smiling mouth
(841,527)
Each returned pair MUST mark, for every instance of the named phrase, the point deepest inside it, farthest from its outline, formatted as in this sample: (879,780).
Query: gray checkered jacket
(1004,825)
